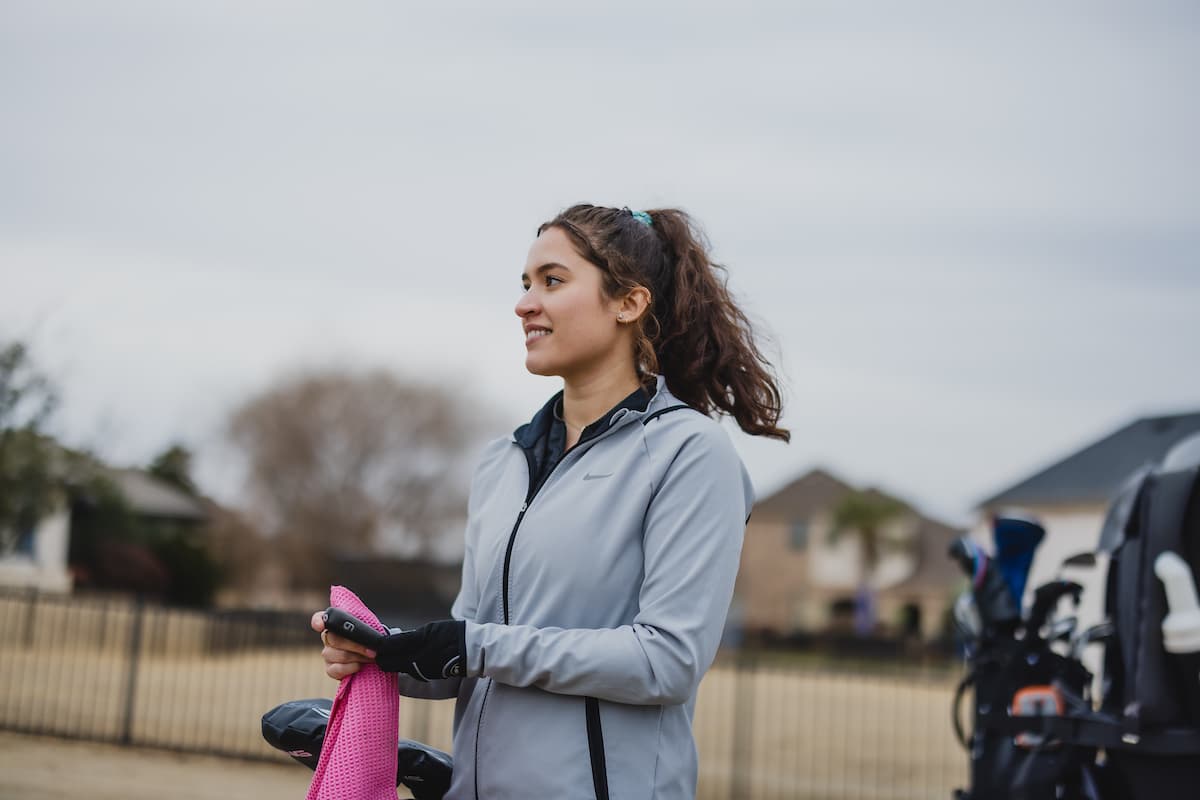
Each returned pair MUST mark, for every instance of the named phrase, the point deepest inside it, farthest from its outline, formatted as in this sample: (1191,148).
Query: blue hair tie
(643,217)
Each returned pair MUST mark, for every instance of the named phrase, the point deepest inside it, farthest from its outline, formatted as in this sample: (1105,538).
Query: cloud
(973,233)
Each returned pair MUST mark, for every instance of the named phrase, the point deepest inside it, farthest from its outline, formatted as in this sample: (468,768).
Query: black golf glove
(433,651)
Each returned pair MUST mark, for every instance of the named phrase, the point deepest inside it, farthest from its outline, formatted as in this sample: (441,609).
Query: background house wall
(767,595)
(839,564)
(794,575)
(44,565)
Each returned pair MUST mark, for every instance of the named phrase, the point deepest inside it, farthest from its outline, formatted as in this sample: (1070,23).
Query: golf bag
(1024,764)
(1016,676)
(298,729)
(1037,731)
(1152,693)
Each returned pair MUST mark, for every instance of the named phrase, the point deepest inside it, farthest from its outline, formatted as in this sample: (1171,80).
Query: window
(800,534)
(24,544)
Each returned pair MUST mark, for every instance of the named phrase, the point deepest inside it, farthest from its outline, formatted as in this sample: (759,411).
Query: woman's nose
(526,304)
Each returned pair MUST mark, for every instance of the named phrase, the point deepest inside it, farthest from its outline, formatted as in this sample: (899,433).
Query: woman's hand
(342,657)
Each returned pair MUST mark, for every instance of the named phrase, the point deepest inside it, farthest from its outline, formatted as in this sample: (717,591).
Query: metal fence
(787,726)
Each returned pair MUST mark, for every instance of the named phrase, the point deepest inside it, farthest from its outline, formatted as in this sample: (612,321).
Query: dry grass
(44,768)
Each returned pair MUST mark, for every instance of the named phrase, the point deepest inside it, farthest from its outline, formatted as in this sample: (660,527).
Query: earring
(620,317)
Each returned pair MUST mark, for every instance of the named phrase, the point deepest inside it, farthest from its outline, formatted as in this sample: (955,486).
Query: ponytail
(695,335)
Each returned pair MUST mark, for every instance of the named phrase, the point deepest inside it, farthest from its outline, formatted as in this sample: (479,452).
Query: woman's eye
(547,280)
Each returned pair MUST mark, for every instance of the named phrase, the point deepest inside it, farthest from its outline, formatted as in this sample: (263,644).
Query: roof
(154,497)
(813,492)
(809,494)
(1095,473)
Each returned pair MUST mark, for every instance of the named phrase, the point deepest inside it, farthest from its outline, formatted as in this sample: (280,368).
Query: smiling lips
(533,333)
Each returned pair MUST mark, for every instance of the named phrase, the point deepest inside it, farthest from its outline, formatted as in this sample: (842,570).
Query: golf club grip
(1046,597)
(344,624)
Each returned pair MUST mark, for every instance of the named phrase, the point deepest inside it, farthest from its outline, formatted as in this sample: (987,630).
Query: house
(795,576)
(1071,496)
(42,558)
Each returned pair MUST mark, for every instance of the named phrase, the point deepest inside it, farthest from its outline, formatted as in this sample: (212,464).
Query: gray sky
(972,231)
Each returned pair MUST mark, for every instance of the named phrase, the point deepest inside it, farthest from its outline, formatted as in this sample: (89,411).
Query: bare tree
(336,460)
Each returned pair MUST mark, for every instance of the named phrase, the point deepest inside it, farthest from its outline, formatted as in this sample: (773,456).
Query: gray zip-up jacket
(594,606)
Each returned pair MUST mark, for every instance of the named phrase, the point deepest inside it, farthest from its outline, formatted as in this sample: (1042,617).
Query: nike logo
(591,477)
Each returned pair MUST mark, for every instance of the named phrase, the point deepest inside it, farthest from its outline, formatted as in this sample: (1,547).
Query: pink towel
(358,758)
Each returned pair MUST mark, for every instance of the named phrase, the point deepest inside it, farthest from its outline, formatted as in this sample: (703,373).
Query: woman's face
(570,327)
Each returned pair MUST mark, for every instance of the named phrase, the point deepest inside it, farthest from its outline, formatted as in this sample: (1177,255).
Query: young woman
(603,536)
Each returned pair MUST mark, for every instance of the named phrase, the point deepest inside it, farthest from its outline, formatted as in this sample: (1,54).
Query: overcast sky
(972,231)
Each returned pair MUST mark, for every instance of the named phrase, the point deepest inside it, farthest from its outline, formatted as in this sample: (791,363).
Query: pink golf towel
(358,758)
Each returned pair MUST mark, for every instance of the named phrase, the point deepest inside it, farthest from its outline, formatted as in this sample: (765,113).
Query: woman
(603,536)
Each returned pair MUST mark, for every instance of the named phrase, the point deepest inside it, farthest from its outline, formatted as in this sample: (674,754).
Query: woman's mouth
(535,333)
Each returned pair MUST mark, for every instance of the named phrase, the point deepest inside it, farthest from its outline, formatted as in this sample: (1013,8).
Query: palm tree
(864,514)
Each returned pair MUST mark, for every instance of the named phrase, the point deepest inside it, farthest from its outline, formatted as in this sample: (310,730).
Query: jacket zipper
(595,735)
(533,490)
(512,539)
(591,705)
(512,536)
(530,494)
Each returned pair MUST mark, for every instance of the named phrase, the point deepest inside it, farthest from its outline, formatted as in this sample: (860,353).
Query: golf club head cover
(358,756)
(298,729)
(1017,541)
(433,651)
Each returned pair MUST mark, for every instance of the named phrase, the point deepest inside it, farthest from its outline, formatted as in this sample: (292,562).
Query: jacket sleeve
(692,540)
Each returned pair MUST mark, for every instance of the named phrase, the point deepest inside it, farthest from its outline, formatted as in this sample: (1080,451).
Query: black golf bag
(1037,731)
(1021,763)
(1153,695)
(1018,682)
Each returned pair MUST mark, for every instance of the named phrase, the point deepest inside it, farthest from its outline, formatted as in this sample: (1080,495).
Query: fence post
(743,726)
(135,654)
(421,729)
(28,622)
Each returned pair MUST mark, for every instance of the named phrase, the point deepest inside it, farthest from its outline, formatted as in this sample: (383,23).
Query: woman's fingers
(342,643)
(342,657)
(340,664)
(341,671)
(336,655)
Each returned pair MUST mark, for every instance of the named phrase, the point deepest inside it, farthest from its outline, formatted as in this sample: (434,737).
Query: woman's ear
(633,305)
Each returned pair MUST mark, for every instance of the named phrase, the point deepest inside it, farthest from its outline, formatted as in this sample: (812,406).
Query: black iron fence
(776,726)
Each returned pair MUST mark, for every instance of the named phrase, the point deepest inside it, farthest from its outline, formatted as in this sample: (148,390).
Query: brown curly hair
(694,333)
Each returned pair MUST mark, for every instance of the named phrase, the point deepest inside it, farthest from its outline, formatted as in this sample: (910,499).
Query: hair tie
(643,217)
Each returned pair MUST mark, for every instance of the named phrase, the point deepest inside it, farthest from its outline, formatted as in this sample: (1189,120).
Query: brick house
(793,578)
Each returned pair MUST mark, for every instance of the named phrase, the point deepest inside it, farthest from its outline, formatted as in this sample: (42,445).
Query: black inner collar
(544,437)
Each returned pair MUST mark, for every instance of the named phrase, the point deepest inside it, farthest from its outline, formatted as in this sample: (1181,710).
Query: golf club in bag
(1014,672)
(1037,731)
